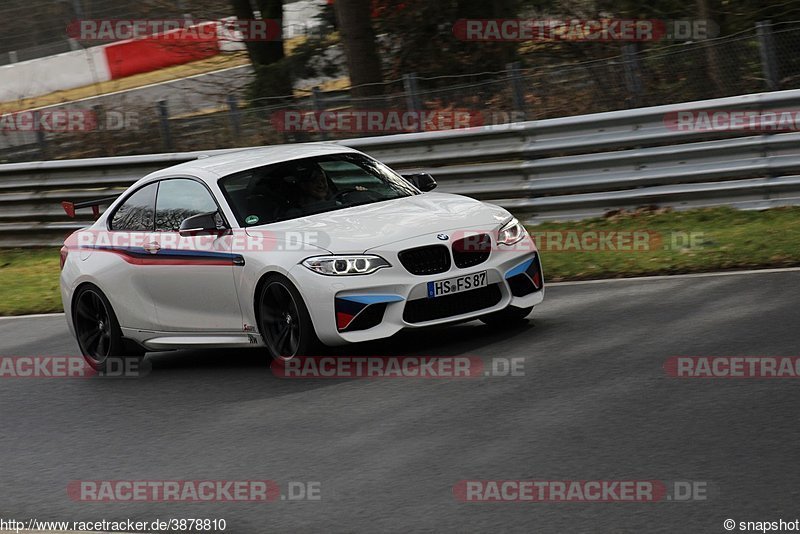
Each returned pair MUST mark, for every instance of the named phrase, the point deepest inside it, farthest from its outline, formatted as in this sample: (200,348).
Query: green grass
(29,281)
(723,239)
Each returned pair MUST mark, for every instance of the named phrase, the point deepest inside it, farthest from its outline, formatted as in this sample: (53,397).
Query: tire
(283,320)
(97,330)
(510,316)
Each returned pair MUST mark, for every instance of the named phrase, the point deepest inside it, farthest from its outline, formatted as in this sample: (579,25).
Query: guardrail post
(766,48)
(633,74)
(76,6)
(163,118)
(235,116)
(413,103)
(517,89)
(99,116)
(319,107)
(102,126)
(41,139)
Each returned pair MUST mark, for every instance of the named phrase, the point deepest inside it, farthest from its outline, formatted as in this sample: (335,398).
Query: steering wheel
(341,194)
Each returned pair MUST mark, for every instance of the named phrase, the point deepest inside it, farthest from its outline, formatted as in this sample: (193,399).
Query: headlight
(345,265)
(512,232)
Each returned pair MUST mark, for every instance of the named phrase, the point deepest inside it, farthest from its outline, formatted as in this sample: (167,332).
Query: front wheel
(98,331)
(284,320)
(510,316)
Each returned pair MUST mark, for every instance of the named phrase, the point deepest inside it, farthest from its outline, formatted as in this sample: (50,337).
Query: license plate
(457,285)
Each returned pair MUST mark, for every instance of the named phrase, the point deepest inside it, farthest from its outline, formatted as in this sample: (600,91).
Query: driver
(316,187)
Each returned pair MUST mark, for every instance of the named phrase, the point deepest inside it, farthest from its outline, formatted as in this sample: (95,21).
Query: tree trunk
(272,75)
(259,51)
(360,47)
(712,56)
(273,10)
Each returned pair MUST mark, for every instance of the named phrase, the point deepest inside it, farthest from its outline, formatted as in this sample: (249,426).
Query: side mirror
(202,224)
(422,181)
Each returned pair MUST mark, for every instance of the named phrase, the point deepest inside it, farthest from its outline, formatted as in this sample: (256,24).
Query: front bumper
(379,301)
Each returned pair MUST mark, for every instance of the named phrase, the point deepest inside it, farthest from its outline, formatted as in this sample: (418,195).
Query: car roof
(242,160)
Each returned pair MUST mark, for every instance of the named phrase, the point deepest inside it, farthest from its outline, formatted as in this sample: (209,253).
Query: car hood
(358,229)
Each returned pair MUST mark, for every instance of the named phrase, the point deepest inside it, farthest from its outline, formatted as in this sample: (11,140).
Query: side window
(137,213)
(178,200)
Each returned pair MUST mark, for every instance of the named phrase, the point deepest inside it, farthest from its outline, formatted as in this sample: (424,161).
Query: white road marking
(672,276)
(577,283)
(36,316)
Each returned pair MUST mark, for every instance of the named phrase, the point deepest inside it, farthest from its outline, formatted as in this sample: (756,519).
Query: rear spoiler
(70,207)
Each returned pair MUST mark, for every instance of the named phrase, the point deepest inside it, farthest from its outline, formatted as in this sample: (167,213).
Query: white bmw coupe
(284,247)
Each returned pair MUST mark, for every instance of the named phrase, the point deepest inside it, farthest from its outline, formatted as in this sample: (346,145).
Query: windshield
(298,188)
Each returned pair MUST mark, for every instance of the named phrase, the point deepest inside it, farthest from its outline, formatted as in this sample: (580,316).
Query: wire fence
(766,58)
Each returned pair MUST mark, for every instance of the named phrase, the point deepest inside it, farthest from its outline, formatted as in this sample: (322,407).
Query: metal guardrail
(567,168)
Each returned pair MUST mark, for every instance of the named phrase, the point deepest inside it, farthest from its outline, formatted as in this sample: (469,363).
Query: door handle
(152,247)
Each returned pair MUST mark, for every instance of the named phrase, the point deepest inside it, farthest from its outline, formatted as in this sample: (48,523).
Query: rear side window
(180,199)
(137,213)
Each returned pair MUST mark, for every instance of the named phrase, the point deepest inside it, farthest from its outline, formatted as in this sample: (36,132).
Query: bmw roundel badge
(443,237)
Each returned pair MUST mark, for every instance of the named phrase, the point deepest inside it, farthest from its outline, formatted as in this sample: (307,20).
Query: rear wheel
(97,329)
(510,316)
(284,320)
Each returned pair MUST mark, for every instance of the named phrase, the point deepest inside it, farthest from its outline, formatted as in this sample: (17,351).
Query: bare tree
(261,52)
(712,57)
(273,77)
(358,37)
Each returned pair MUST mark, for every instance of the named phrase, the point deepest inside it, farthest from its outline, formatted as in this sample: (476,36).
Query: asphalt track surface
(594,404)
